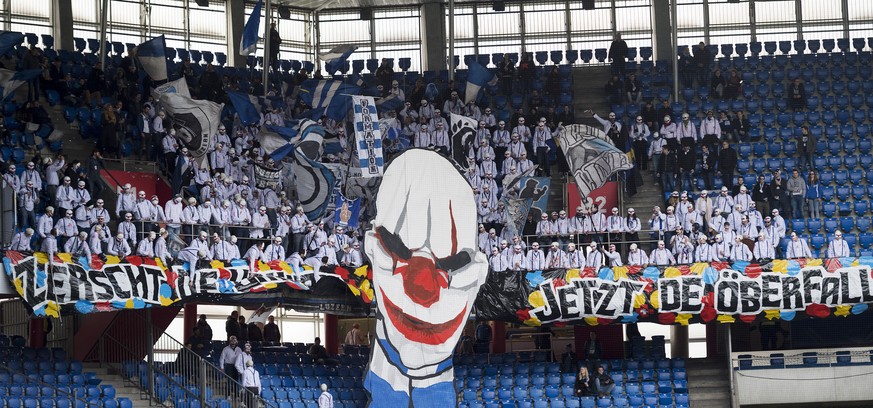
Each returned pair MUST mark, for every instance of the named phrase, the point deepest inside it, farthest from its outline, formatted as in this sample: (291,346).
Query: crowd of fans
(215,200)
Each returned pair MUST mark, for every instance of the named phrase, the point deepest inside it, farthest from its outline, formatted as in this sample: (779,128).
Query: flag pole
(267,32)
(104,9)
(451,59)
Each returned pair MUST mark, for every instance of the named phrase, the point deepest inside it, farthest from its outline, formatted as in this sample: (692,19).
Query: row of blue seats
(269,380)
(854,174)
(314,404)
(565,380)
(290,394)
(32,390)
(48,367)
(822,146)
(74,378)
(634,401)
(829,224)
(61,402)
(568,391)
(19,353)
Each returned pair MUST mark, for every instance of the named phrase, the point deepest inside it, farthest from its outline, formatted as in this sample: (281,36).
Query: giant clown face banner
(427,273)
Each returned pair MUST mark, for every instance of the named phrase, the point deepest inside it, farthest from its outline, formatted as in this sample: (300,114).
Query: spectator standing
(668,169)
(805,148)
(506,70)
(639,132)
(525,73)
(325,400)
(702,59)
(779,194)
(205,328)
(228,358)
(618,54)
(568,360)
(354,337)
(271,331)
(687,163)
(483,337)
(797,190)
(231,327)
(251,381)
(761,194)
(727,163)
(633,89)
(275,42)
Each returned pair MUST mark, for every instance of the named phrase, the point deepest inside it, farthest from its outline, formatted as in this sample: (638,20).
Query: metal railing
(843,358)
(166,370)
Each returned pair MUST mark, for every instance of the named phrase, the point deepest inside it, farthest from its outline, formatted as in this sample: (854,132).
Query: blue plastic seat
(816,242)
(843,192)
(865,240)
(828,209)
(827,193)
(841,177)
(861,207)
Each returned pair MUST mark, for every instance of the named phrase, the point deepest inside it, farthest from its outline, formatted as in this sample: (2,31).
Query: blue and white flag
(246,109)
(315,182)
(592,157)
(477,78)
(11,80)
(152,55)
(10,40)
(249,42)
(335,58)
(389,103)
(368,137)
(347,212)
(331,95)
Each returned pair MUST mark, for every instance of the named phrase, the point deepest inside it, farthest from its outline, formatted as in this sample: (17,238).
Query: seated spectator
(797,248)
(764,249)
(838,247)
(717,84)
(603,382)
(733,85)
(614,89)
(633,89)
(584,384)
(797,95)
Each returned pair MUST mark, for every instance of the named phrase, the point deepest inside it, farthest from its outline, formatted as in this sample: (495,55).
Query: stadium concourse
(765,154)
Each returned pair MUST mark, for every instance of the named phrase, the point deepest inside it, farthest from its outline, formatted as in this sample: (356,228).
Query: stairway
(708,383)
(123,389)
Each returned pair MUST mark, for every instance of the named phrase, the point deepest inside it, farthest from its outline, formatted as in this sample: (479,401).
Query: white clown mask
(426,268)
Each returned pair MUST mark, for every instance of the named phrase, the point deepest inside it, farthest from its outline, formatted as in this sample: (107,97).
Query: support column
(433,35)
(236,15)
(331,333)
(712,340)
(37,332)
(498,337)
(189,320)
(662,32)
(679,341)
(62,24)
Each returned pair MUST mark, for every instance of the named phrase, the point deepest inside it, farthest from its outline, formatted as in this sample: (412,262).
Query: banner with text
(681,294)
(83,285)
(368,136)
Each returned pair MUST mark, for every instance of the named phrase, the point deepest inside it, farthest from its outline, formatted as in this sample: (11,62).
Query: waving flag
(368,136)
(335,58)
(462,132)
(245,107)
(315,182)
(249,42)
(347,211)
(152,55)
(195,120)
(591,156)
(477,77)
(9,40)
(11,80)
(330,95)
(389,103)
